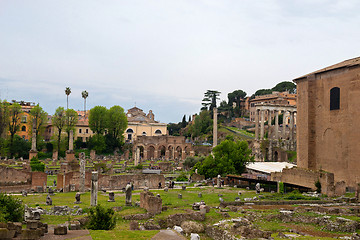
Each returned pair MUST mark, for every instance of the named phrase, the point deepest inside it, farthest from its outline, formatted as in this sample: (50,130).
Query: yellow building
(141,124)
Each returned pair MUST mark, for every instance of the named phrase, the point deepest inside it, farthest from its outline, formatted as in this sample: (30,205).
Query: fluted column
(291,125)
(257,124)
(284,125)
(262,130)
(276,124)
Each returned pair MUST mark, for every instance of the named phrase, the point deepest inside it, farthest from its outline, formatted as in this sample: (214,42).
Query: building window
(79,130)
(24,119)
(23,128)
(129,136)
(335,98)
(158,131)
(87,130)
(144,133)
(129,131)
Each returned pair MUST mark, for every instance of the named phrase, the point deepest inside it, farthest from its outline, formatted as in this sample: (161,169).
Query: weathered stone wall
(307,178)
(111,182)
(139,181)
(73,178)
(38,179)
(11,175)
(329,139)
(14,180)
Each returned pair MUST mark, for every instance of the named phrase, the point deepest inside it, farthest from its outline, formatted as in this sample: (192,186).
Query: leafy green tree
(261,92)
(285,86)
(116,122)
(98,119)
(59,121)
(20,147)
(4,117)
(202,125)
(97,142)
(209,100)
(11,208)
(101,218)
(71,121)
(14,123)
(183,122)
(174,129)
(228,157)
(40,117)
(236,97)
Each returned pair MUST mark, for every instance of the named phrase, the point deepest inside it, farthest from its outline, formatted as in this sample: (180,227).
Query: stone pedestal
(70,155)
(55,155)
(32,153)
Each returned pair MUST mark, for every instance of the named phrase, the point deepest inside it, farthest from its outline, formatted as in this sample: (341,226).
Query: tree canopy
(59,121)
(97,119)
(209,100)
(285,86)
(228,157)
(116,121)
(40,117)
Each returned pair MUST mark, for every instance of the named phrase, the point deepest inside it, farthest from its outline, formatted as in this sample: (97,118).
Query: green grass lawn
(172,202)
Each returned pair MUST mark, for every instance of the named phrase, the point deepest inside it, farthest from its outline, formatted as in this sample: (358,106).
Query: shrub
(318,186)
(281,187)
(36,165)
(182,177)
(101,218)
(11,208)
(140,166)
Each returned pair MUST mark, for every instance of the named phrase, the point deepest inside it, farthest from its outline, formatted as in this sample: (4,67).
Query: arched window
(129,131)
(335,98)
(23,128)
(158,131)
(144,133)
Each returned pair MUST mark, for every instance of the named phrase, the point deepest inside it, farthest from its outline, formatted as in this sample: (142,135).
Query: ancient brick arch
(151,152)
(159,147)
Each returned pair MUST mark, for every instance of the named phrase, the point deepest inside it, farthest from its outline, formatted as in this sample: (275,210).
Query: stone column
(291,126)
(137,156)
(94,188)
(276,125)
(284,125)
(257,124)
(215,128)
(82,171)
(269,119)
(33,152)
(70,154)
(262,130)
(71,141)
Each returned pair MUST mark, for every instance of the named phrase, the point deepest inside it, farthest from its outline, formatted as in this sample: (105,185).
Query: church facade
(142,124)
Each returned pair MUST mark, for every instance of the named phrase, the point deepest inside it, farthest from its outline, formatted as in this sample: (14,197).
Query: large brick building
(328,107)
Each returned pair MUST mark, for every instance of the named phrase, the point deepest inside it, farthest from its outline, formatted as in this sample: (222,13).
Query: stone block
(30,234)
(5,234)
(60,230)
(17,226)
(32,224)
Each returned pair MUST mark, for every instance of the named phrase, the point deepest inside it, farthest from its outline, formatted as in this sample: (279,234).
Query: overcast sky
(165,54)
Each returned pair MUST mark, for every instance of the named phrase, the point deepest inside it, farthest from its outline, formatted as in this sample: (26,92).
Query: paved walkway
(168,235)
